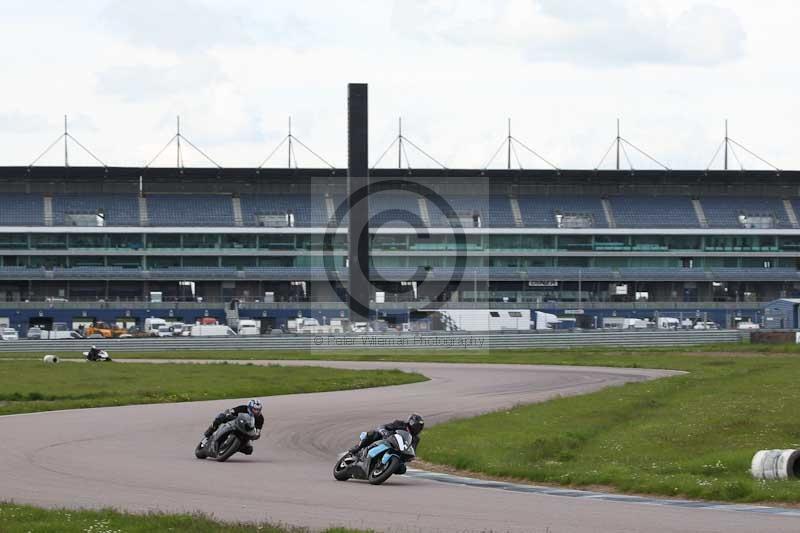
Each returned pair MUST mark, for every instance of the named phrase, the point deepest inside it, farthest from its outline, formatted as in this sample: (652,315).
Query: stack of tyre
(776,464)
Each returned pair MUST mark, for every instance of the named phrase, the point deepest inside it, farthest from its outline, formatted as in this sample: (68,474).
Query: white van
(152,325)
(249,327)
(9,334)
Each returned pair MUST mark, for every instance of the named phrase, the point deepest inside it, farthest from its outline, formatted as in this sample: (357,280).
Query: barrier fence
(379,341)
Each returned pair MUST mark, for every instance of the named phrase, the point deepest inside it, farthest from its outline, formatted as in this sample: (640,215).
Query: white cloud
(672,70)
(583,32)
(144,82)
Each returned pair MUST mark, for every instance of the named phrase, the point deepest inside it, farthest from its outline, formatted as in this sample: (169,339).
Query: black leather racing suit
(381,433)
(92,354)
(230,414)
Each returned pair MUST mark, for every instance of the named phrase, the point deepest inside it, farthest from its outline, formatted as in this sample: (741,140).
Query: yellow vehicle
(104,329)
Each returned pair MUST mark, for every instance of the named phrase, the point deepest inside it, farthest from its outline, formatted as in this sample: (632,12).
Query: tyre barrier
(776,464)
(50,359)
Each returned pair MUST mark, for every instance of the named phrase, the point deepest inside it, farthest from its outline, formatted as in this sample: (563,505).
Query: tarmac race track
(140,458)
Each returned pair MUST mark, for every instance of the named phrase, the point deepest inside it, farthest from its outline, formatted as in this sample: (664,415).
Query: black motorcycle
(228,438)
(378,461)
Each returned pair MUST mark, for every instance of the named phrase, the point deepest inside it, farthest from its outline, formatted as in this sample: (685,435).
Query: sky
(563,71)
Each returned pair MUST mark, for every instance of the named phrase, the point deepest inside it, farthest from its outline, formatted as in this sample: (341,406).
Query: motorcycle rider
(93,354)
(253,408)
(414,425)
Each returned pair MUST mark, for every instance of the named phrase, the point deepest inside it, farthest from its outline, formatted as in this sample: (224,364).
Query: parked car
(34,333)
(9,334)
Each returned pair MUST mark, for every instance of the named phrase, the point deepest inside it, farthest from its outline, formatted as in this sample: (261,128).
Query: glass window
(201,241)
(611,242)
(278,241)
(88,240)
(246,241)
(47,261)
(168,261)
(536,242)
(87,261)
(199,261)
(389,242)
(133,241)
(13,241)
(164,240)
(239,261)
(49,241)
(575,242)
(683,242)
(573,261)
(124,261)
(789,243)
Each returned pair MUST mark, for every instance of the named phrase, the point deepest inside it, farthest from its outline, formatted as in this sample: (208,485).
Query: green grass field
(692,435)
(26,519)
(27,385)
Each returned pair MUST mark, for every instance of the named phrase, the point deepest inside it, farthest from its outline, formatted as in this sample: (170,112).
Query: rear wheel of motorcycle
(340,470)
(229,447)
(381,472)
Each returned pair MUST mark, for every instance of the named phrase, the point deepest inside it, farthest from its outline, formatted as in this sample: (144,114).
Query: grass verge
(608,356)
(692,435)
(16,518)
(27,386)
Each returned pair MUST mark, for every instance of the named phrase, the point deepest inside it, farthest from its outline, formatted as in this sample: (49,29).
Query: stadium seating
(308,209)
(541,211)
(653,212)
(118,209)
(190,210)
(494,211)
(724,211)
(394,209)
(18,209)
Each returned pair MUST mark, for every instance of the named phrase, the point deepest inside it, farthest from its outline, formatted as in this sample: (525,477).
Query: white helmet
(254,406)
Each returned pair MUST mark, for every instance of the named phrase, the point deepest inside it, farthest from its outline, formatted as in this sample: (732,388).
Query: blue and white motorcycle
(377,462)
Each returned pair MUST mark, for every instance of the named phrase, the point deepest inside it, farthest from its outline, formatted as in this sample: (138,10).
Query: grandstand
(98,243)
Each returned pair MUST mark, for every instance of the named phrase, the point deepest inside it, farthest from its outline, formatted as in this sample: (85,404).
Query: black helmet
(415,424)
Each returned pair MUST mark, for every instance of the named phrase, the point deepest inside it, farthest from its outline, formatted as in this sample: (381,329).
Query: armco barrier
(385,341)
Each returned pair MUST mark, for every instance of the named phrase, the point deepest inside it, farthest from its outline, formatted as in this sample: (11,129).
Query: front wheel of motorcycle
(199,452)
(340,470)
(229,447)
(381,472)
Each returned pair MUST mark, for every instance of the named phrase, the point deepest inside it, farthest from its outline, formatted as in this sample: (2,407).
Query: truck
(544,321)
(621,322)
(202,330)
(484,319)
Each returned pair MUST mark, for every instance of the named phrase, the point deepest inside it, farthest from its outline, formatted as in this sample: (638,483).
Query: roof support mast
(289,137)
(726,144)
(508,158)
(178,142)
(66,134)
(618,139)
(399,142)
